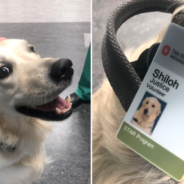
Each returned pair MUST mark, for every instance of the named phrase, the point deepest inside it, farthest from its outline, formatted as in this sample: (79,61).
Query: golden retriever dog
(29,89)
(145,116)
(113,162)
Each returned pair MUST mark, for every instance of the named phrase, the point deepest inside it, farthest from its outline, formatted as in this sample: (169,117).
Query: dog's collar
(9,148)
(136,120)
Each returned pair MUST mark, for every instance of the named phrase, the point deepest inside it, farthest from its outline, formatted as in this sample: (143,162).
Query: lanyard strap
(120,73)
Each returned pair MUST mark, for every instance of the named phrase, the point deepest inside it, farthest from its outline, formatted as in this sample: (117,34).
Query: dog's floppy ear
(159,110)
(144,101)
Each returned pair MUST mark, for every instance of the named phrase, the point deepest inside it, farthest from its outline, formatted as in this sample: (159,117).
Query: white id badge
(154,124)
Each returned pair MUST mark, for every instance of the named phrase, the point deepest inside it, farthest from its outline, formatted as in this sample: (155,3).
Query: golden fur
(146,121)
(28,84)
(114,163)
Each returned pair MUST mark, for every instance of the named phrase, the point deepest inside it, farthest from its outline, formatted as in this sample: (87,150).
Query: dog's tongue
(2,38)
(59,105)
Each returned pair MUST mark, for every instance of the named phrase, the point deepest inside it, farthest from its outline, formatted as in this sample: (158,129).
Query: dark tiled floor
(69,143)
(134,32)
(69,146)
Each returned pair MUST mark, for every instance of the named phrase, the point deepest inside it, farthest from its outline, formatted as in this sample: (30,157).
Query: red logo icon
(166,50)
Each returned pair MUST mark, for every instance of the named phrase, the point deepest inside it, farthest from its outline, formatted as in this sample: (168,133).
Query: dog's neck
(144,123)
(20,123)
(147,124)
(8,121)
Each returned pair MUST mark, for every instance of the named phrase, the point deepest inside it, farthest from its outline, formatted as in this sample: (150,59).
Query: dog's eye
(147,102)
(31,48)
(153,105)
(4,72)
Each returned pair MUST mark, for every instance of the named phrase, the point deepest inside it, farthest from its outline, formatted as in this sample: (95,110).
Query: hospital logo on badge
(166,50)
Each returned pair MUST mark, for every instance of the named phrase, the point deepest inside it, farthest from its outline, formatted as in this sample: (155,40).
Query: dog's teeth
(68,99)
(65,110)
(58,110)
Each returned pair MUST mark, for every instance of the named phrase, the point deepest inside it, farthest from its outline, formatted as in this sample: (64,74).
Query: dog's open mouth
(57,109)
(58,105)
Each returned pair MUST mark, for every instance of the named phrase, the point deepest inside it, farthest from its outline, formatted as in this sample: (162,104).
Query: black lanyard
(122,76)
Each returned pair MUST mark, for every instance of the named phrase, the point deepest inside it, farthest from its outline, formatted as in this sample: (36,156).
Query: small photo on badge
(148,113)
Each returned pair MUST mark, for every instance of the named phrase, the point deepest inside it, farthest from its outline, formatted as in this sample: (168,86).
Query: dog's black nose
(145,111)
(62,69)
